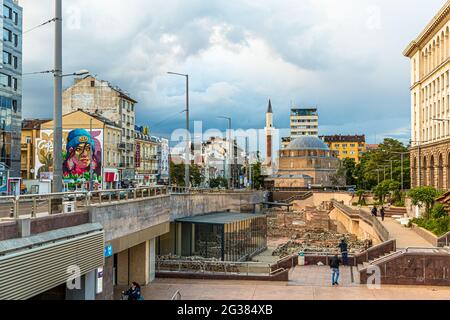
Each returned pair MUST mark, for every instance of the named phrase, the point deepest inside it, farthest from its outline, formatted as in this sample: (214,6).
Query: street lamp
(57,127)
(402,154)
(230,153)
(188,145)
(391,161)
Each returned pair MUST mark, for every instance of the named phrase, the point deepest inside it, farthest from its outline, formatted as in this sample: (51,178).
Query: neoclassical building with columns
(430,97)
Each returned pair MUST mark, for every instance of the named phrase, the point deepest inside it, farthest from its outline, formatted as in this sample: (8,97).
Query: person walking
(375,211)
(334,265)
(382,213)
(344,251)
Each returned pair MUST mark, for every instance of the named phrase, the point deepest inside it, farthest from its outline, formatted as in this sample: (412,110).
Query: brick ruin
(308,230)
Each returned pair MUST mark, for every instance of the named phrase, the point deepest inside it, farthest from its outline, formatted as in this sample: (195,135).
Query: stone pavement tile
(291,293)
(342,293)
(419,293)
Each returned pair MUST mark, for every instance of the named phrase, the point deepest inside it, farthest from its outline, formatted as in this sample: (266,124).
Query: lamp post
(402,154)
(188,144)
(230,153)
(392,167)
(57,184)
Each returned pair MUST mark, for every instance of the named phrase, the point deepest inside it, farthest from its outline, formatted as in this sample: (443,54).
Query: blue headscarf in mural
(80,154)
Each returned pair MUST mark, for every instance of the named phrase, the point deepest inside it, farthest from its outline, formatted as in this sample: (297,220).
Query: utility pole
(57,111)
(188,140)
(91,169)
(230,154)
(402,154)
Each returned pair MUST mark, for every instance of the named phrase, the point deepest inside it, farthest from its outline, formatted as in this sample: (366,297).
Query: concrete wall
(319,197)
(414,269)
(184,205)
(354,225)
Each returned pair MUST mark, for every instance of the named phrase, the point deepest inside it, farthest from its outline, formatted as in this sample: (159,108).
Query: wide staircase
(395,212)
(299,197)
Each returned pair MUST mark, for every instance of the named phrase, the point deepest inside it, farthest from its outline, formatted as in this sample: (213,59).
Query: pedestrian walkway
(320,276)
(405,237)
(164,289)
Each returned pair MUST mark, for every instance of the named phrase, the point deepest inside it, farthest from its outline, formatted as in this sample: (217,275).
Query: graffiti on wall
(81,151)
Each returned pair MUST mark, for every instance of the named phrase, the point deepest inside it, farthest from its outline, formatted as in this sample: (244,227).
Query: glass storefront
(224,236)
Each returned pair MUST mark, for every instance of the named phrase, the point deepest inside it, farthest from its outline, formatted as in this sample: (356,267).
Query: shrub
(438,211)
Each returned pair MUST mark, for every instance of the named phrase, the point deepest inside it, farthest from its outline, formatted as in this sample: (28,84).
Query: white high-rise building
(304,122)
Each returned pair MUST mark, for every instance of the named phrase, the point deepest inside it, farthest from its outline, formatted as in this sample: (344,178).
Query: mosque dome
(307,143)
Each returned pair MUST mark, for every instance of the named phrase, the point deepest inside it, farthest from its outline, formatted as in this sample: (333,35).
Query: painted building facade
(347,146)
(84,147)
(101,97)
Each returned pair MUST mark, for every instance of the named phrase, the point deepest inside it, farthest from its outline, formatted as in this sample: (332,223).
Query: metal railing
(176,296)
(214,267)
(12,207)
(66,202)
(408,250)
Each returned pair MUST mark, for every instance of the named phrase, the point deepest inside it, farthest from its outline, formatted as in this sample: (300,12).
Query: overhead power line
(41,25)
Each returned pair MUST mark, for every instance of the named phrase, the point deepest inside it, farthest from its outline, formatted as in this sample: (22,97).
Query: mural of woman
(79,148)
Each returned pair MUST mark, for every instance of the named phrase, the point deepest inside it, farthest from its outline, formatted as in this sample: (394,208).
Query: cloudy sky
(343,56)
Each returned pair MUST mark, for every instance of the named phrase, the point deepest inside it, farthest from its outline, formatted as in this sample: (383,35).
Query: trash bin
(301,259)
(69,206)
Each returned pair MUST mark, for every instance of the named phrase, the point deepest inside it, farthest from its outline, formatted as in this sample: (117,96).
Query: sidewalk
(163,289)
(405,237)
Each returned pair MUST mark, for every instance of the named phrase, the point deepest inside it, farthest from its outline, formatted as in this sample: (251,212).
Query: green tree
(196,176)
(360,194)
(257,178)
(424,196)
(219,182)
(373,160)
(349,166)
(177,174)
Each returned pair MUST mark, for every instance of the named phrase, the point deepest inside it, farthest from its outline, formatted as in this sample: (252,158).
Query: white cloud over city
(343,56)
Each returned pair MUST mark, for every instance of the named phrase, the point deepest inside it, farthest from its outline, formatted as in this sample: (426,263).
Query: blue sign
(108,251)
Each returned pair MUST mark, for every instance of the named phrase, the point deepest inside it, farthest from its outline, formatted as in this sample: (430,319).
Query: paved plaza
(164,289)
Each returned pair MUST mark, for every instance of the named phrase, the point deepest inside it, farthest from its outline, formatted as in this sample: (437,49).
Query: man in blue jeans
(334,265)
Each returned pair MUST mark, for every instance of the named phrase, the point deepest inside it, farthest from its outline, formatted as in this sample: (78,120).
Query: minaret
(269,127)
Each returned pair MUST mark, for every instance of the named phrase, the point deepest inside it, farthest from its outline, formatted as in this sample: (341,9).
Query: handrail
(176,296)
(406,250)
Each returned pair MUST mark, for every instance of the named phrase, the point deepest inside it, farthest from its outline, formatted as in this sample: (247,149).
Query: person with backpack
(334,265)
(374,211)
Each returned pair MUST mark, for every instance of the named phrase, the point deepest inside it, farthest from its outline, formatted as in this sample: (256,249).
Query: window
(16,40)
(7,57)
(7,35)
(15,85)
(7,12)
(28,140)
(5,80)
(16,18)
(93,83)
(16,64)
